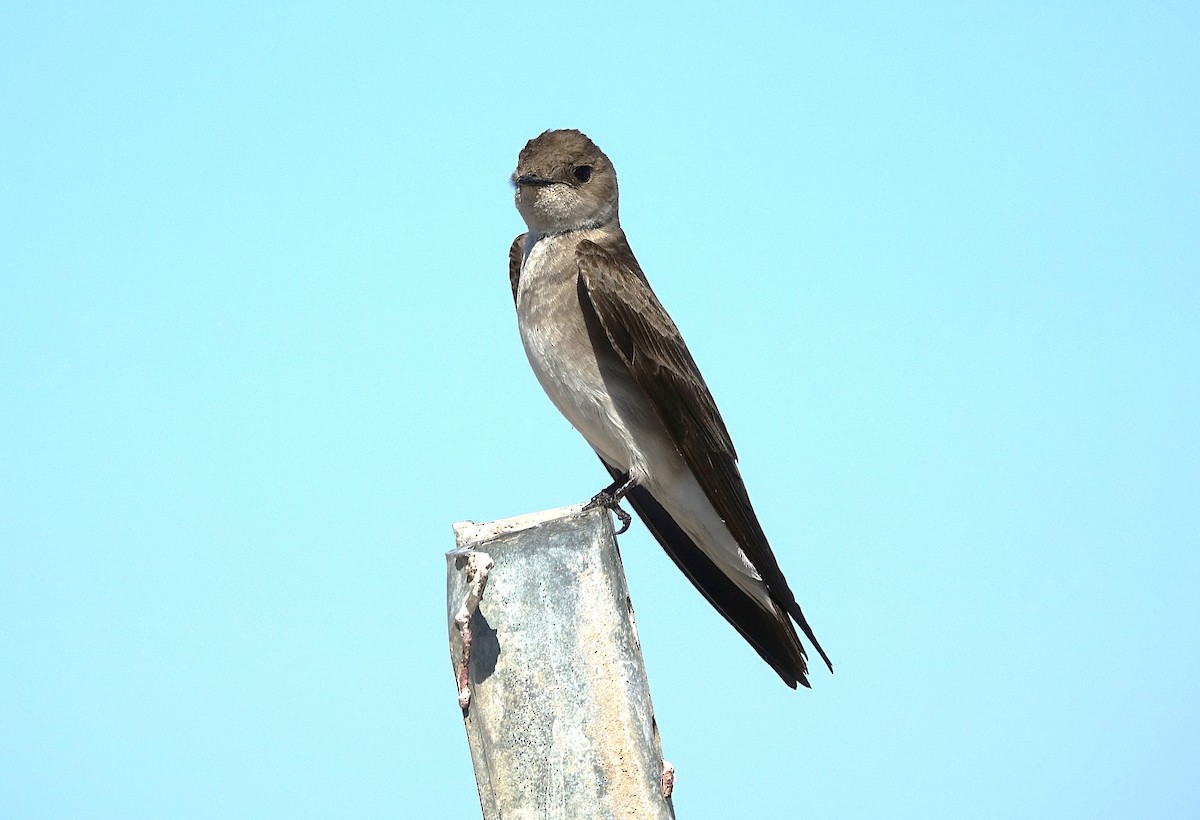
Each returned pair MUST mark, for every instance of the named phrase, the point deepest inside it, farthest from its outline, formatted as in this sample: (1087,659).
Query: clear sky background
(938,262)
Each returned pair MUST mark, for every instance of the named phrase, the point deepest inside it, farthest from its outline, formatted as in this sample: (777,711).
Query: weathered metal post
(551,680)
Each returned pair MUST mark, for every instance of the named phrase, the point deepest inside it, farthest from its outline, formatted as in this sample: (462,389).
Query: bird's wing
(515,251)
(651,347)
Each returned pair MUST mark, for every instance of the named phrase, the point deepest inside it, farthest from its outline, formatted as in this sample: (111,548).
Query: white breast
(560,351)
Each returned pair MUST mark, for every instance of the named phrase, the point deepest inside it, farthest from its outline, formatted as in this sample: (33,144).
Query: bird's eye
(582,172)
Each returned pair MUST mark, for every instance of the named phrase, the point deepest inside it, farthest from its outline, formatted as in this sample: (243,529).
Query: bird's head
(564,183)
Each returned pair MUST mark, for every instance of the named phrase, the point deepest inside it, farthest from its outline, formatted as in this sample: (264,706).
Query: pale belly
(568,368)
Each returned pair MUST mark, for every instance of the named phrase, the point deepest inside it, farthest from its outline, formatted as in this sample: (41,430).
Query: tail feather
(794,611)
(770,634)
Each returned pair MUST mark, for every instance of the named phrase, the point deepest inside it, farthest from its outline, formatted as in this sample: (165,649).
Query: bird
(613,362)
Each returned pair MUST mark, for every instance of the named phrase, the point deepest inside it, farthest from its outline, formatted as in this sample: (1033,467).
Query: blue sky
(257,353)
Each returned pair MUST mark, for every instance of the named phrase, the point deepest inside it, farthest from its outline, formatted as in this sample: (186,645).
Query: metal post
(551,682)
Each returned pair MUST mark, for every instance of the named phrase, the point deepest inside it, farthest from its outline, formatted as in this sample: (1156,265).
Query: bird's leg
(611,496)
(617,490)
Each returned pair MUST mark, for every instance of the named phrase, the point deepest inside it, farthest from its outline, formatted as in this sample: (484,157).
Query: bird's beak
(530,179)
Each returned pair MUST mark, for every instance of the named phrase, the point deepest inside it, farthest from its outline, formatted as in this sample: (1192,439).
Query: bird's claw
(625,518)
(605,499)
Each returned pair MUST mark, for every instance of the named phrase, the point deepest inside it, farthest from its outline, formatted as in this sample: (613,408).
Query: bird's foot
(605,499)
(610,497)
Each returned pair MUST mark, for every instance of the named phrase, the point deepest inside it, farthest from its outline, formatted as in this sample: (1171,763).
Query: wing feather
(649,344)
(516,251)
